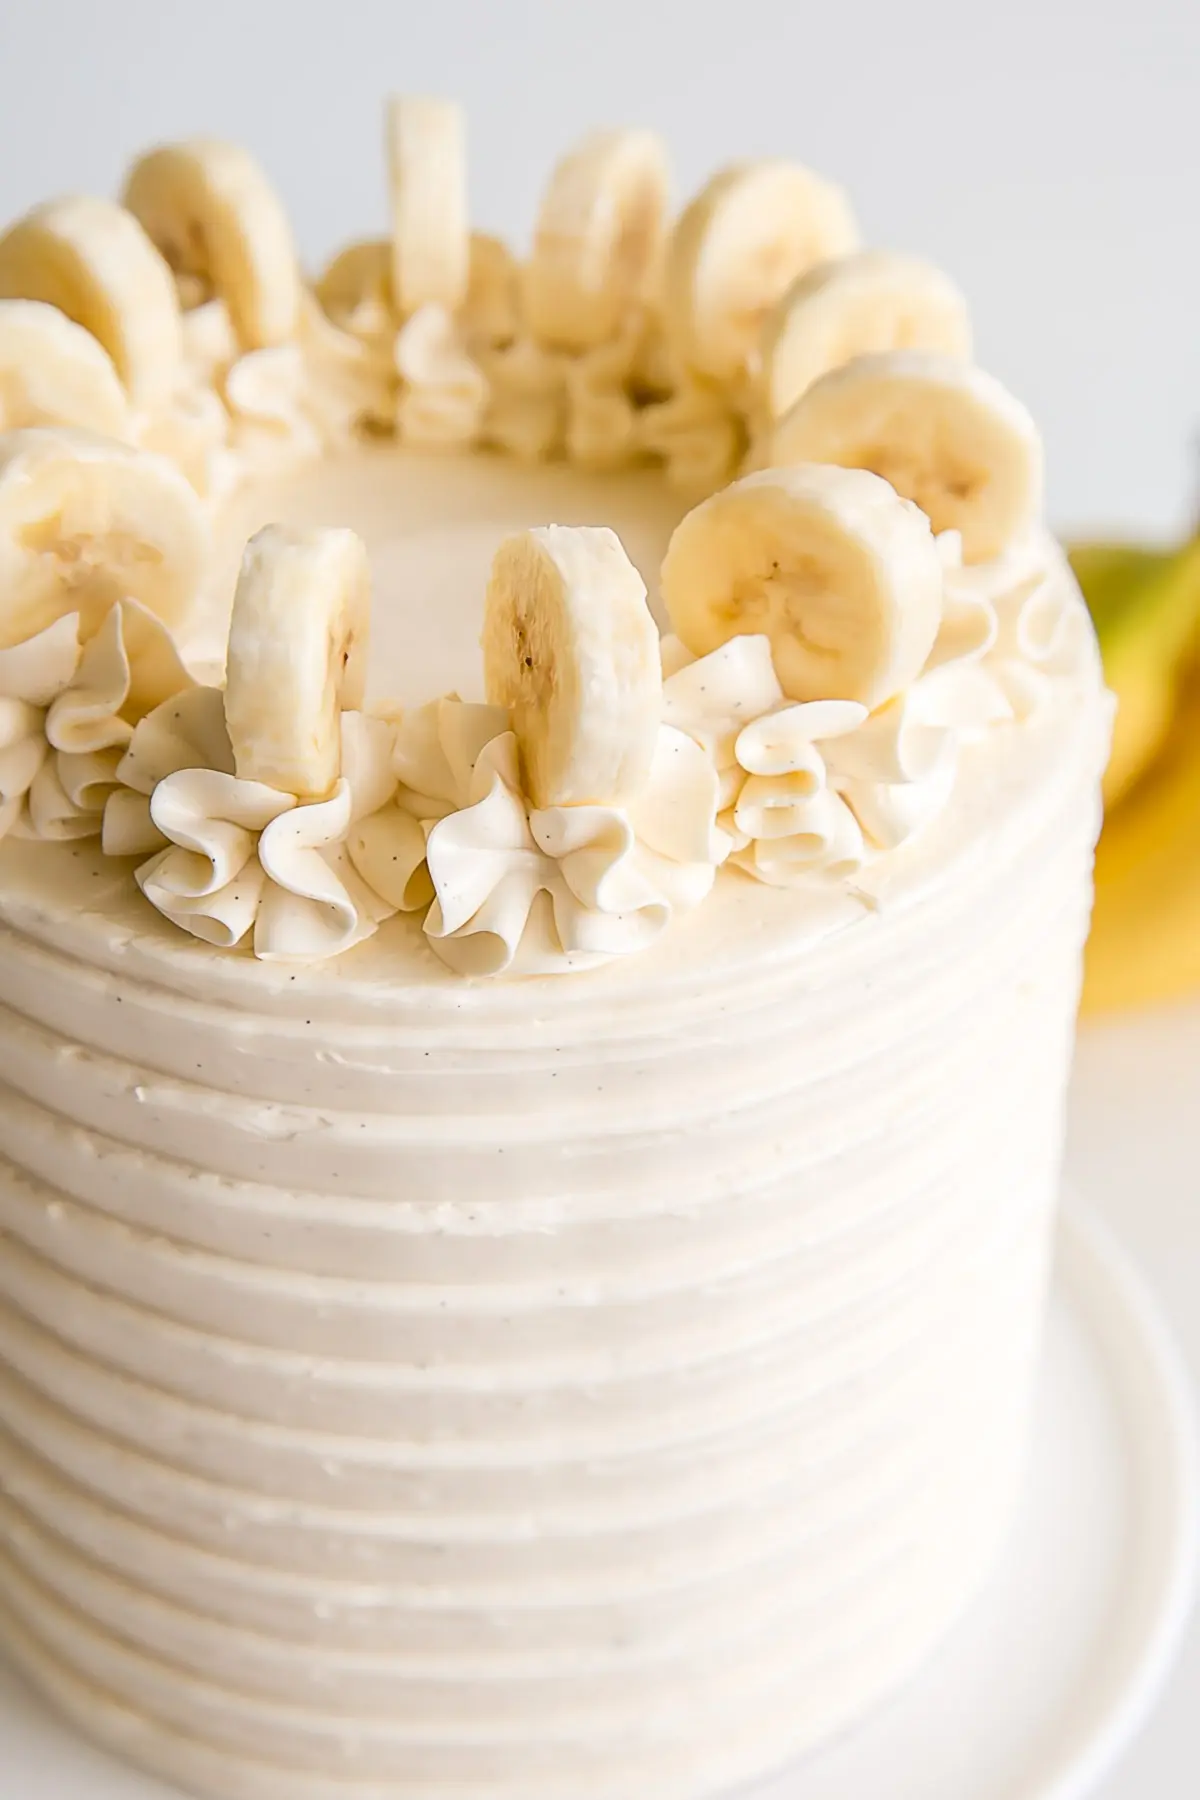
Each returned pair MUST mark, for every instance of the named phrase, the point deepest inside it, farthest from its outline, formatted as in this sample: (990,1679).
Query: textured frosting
(411,1386)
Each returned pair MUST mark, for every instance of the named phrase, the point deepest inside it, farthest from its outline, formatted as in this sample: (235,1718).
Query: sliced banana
(92,260)
(491,312)
(840,573)
(357,284)
(942,432)
(570,647)
(599,238)
(736,248)
(427,166)
(53,372)
(297,656)
(85,521)
(213,214)
(858,306)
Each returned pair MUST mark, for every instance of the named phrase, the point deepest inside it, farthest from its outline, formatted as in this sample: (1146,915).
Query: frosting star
(67,713)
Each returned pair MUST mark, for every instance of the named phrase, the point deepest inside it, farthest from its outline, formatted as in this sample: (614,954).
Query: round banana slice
(297,656)
(858,306)
(92,260)
(840,573)
(53,372)
(359,275)
(214,215)
(84,522)
(736,248)
(599,238)
(427,166)
(571,649)
(942,432)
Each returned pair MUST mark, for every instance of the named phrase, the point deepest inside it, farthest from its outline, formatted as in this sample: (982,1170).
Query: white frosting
(238,855)
(444,390)
(67,712)
(527,890)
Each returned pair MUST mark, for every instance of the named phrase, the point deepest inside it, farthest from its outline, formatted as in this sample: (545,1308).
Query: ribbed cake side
(599,1388)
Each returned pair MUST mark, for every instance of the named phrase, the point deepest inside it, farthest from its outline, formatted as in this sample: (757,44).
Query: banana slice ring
(84,522)
(214,215)
(858,306)
(297,656)
(942,432)
(92,260)
(53,372)
(840,573)
(427,165)
(599,238)
(736,248)
(571,649)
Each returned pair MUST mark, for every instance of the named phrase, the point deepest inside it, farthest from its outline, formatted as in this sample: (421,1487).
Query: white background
(1047,152)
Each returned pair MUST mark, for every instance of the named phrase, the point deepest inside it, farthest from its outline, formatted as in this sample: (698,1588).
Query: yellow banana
(1146,607)
(1145,941)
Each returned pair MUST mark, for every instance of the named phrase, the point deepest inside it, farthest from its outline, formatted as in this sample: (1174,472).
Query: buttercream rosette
(68,710)
(512,888)
(237,858)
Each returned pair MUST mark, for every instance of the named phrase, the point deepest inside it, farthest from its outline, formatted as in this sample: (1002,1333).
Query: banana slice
(490,315)
(53,372)
(92,260)
(858,306)
(84,522)
(214,215)
(427,164)
(599,238)
(297,656)
(570,647)
(358,280)
(942,432)
(737,247)
(840,573)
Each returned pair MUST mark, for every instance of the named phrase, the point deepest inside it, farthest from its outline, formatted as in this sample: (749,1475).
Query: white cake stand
(1057,1664)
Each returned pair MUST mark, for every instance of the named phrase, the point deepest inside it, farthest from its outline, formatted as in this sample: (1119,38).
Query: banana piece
(490,315)
(697,435)
(214,215)
(942,432)
(297,656)
(736,248)
(831,565)
(598,240)
(84,522)
(53,372)
(858,305)
(427,166)
(571,649)
(359,277)
(92,260)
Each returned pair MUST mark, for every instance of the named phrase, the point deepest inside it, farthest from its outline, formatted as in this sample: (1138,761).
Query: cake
(531,1143)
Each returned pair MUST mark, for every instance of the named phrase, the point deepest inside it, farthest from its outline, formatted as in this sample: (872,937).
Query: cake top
(863,591)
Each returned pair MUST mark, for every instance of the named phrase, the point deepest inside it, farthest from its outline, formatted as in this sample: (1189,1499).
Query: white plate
(1057,1664)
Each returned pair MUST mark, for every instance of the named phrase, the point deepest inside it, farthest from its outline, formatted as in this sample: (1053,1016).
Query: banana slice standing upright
(857,306)
(215,216)
(359,277)
(599,237)
(427,167)
(297,656)
(942,432)
(53,372)
(84,522)
(571,649)
(840,573)
(739,244)
(92,260)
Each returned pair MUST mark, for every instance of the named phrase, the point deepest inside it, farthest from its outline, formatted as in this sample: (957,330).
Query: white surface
(1051,1671)
(1043,150)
